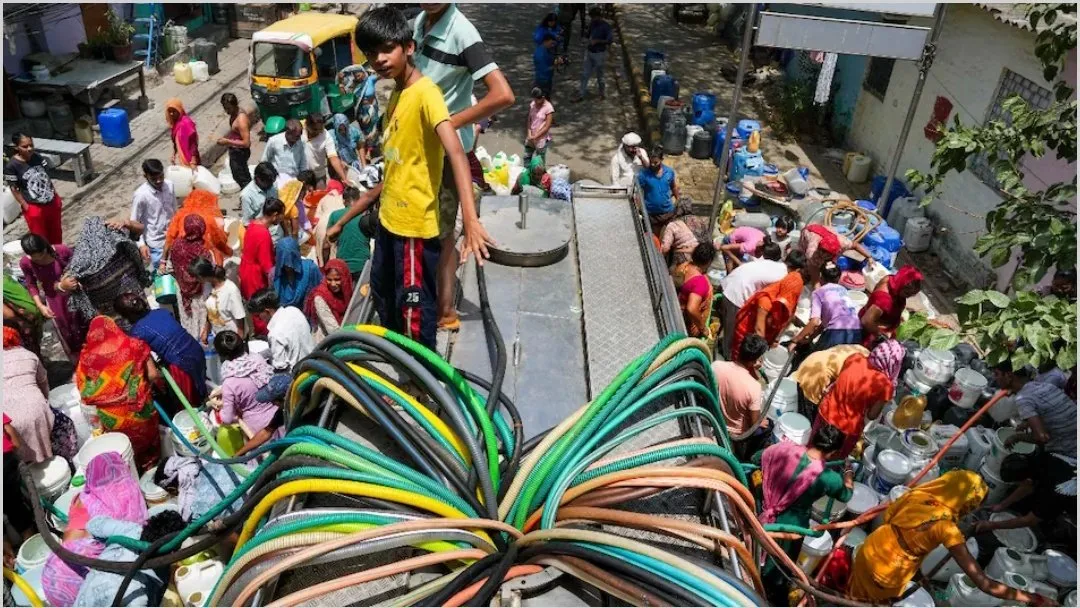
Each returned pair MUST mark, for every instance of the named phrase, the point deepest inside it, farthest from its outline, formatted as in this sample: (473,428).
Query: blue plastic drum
(746,127)
(115,128)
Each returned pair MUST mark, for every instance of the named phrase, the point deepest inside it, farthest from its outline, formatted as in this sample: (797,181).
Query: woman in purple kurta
(43,266)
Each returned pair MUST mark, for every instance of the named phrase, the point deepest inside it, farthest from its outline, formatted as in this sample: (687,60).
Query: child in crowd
(288,330)
(544,64)
(541,115)
(781,234)
(416,135)
(274,392)
(242,375)
(224,305)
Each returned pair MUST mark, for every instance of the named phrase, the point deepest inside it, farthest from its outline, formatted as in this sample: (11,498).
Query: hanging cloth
(824,81)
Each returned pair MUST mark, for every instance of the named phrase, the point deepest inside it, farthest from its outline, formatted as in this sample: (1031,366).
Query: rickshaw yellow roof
(320,27)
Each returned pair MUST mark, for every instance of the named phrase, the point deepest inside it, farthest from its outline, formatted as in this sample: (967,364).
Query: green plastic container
(275,125)
(230,438)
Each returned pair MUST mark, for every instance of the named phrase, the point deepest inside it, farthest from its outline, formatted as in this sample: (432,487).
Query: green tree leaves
(1038,228)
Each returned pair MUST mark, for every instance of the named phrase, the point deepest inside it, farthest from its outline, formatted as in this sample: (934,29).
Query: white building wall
(973,51)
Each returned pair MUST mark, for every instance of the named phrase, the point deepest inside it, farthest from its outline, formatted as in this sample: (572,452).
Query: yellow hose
(24,586)
(352,488)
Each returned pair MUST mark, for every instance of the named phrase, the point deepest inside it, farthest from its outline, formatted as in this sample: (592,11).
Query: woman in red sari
(257,256)
(192,292)
(769,311)
(114,374)
(883,312)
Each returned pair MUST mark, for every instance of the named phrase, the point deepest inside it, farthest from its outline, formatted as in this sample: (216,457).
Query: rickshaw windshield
(281,60)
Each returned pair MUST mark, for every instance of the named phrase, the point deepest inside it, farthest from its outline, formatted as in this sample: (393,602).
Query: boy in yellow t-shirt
(417,133)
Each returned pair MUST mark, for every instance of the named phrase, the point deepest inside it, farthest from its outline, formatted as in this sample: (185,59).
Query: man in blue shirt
(544,64)
(659,190)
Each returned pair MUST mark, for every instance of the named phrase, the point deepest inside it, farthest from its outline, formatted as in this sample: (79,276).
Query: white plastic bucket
(957,452)
(83,430)
(10,205)
(998,451)
(893,468)
(232,230)
(979,444)
(967,385)
(857,298)
(951,567)
(773,362)
(1004,409)
(1060,569)
(32,554)
(1021,539)
(33,578)
(155,495)
(109,442)
(63,504)
(785,400)
(794,428)
(914,384)
(863,498)
(919,446)
(919,598)
(228,184)
(998,488)
(894,495)
(935,366)
(65,397)
(814,549)
(186,425)
(51,477)
(963,592)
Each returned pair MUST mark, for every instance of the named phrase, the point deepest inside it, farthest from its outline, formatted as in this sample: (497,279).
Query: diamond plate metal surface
(619,320)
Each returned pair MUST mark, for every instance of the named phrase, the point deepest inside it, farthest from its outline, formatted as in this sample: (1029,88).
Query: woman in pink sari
(185,138)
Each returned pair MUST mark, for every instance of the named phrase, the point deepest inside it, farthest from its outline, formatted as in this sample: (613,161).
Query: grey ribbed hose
(231,585)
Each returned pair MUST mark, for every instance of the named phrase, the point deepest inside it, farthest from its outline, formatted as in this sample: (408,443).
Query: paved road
(585,134)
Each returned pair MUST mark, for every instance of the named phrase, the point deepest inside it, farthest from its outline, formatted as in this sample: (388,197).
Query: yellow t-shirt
(413,155)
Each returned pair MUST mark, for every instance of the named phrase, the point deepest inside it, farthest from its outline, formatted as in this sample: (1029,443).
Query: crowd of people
(846,363)
(305,241)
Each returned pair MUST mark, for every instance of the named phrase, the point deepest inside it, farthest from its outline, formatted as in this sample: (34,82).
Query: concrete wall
(973,51)
(59,31)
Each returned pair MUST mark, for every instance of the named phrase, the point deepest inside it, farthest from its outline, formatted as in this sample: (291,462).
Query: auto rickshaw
(294,65)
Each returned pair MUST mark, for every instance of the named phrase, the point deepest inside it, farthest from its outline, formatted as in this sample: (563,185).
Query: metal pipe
(721,176)
(523,208)
(924,64)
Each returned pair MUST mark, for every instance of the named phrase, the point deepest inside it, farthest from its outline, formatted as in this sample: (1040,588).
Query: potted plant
(119,34)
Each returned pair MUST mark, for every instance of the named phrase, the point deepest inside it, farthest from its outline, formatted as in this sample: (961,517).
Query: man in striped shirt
(1049,414)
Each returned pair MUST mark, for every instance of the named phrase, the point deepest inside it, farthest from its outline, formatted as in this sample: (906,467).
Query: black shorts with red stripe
(403,284)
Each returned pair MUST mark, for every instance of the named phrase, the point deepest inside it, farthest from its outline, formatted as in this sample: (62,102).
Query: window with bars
(1011,84)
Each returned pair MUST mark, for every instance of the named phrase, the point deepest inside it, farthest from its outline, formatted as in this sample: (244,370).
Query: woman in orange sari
(769,311)
(185,138)
(114,375)
(205,205)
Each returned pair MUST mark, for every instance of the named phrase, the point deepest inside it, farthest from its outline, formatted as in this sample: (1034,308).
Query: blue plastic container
(664,84)
(865,204)
(770,169)
(718,145)
(898,190)
(747,164)
(703,101)
(651,54)
(746,127)
(891,240)
(115,128)
(704,117)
